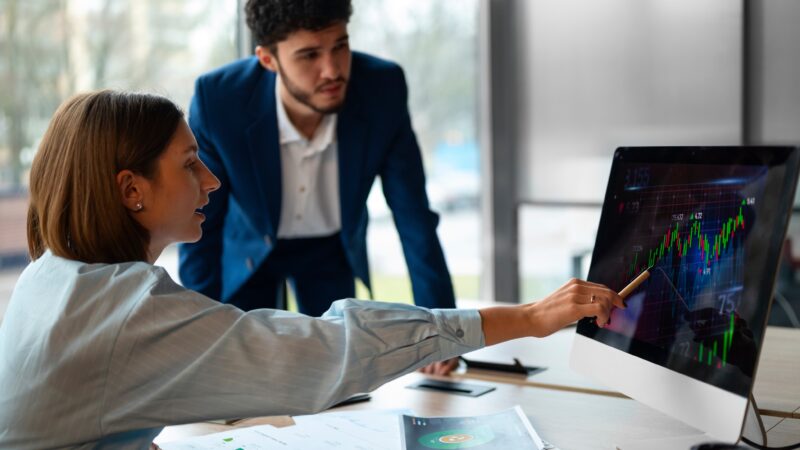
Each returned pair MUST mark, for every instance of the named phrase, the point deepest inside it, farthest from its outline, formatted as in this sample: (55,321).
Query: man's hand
(441,367)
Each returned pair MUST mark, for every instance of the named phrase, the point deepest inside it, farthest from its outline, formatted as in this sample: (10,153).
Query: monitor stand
(753,429)
(753,425)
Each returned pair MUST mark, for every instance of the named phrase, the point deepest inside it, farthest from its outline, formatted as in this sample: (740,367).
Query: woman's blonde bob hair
(76,207)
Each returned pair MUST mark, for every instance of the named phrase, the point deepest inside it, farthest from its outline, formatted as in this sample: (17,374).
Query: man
(297,135)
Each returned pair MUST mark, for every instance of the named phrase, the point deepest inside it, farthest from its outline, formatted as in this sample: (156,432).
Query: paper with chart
(377,429)
(360,430)
(252,438)
(498,431)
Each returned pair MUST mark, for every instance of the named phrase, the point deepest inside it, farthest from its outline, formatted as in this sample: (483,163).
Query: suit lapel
(264,146)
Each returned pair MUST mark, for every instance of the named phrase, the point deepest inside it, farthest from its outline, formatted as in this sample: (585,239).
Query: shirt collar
(323,136)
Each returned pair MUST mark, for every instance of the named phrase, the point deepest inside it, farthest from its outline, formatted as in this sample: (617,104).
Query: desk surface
(776,389)
(570,420)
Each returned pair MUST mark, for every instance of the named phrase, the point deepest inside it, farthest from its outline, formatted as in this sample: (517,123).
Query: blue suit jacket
(233,117)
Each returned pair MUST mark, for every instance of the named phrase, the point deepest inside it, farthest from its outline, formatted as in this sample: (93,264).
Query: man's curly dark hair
(271,21)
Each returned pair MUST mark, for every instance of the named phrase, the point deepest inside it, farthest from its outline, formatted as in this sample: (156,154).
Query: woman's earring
(139,206)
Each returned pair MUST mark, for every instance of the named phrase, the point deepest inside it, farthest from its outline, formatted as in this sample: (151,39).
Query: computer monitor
(710,223)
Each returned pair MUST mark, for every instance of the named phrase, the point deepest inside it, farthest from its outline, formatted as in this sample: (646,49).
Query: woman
(99,348)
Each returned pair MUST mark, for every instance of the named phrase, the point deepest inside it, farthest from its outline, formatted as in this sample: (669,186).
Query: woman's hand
(573,301)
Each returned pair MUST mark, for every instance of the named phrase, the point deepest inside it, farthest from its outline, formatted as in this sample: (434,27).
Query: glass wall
(436,43)
(556,243)
(596,76)
(775,114)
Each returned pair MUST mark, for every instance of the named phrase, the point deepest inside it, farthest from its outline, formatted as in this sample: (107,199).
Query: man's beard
(305,97)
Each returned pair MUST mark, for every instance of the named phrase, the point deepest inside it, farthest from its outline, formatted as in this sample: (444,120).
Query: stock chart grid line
(692,235)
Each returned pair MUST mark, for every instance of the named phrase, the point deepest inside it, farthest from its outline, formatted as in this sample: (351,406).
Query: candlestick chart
(692,238)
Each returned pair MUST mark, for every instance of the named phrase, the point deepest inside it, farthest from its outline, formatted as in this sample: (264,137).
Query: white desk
(570,410)
(776,390)
(570,420)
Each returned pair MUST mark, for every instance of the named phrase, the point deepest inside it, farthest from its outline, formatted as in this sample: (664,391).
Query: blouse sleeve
(181,357)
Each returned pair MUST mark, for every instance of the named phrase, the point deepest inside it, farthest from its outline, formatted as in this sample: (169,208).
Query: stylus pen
(626,291)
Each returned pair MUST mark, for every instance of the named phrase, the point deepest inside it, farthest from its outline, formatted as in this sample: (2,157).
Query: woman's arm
(572,301)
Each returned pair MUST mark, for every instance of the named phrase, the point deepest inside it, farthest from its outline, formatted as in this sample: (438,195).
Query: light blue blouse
(106,355)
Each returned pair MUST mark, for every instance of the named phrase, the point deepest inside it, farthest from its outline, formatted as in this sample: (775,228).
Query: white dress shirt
(310,172)
(96,356)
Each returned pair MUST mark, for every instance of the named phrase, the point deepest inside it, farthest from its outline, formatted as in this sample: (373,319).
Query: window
(54,49)
(436,43)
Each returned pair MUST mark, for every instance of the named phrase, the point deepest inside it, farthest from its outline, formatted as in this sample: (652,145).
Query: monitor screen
(708,222)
